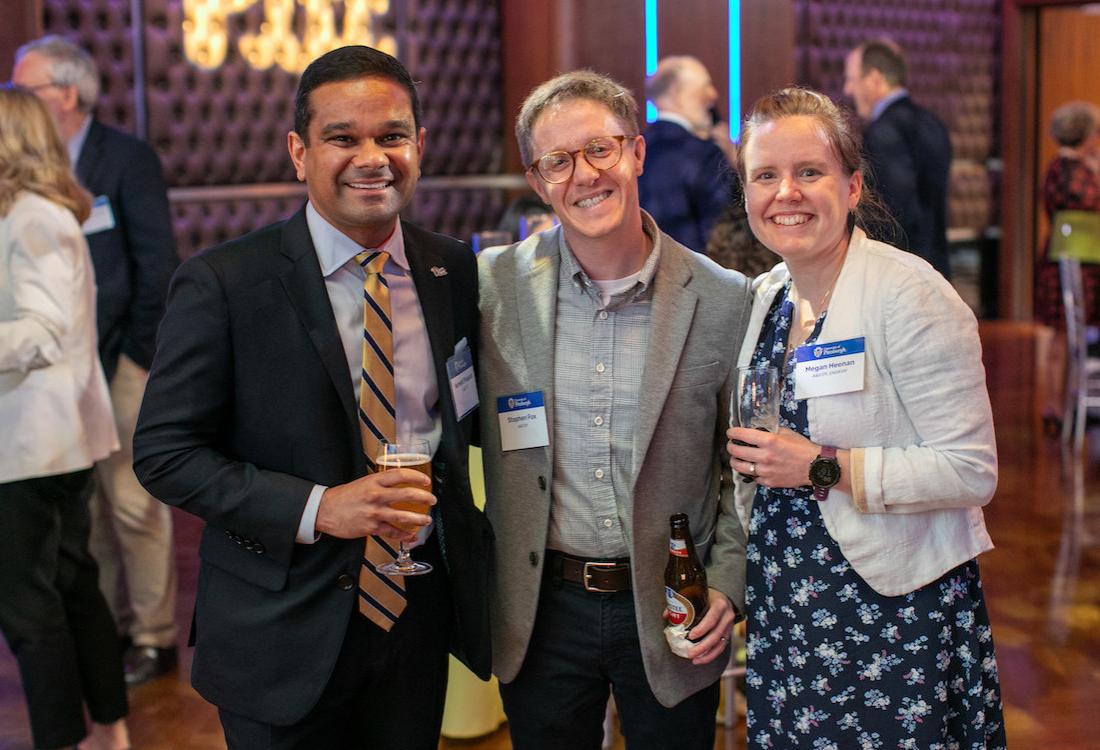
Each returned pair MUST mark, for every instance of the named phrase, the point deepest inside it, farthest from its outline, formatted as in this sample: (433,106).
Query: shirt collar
(334,248)
(675,118)
(76,143)
(571,269)
(886,101)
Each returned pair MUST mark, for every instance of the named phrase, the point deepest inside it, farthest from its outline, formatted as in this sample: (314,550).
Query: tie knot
(372,260)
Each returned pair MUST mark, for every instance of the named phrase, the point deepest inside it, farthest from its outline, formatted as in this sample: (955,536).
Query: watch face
(824,472)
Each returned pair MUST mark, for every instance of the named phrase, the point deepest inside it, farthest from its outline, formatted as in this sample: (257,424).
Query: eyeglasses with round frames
(601,153)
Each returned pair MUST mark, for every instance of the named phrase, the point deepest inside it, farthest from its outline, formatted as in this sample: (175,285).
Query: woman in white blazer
(56,415)
(867,626)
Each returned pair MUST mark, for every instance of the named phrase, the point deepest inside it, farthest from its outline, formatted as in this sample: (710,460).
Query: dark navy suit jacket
(133,261)
(909,151)
(686,184)
(249,404)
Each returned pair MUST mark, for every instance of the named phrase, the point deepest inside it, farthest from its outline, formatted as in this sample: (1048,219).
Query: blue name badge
(101,218)
(829,368)
(522,418)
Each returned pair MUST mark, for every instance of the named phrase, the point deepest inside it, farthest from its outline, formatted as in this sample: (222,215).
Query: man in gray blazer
(608,360)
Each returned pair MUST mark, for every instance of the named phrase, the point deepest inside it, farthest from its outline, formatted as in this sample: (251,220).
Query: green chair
(1075,234)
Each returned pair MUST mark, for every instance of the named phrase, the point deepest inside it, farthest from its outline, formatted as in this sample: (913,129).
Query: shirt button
(600,367)
(598,421)
(608,522)
(599,473)
(603,314)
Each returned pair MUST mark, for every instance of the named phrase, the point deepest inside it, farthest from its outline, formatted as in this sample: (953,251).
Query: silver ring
(724,638)
(752,468)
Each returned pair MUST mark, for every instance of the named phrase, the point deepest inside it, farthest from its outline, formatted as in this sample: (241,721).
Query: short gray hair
(1073,122)
(667,75)
(69,65)
(578,84)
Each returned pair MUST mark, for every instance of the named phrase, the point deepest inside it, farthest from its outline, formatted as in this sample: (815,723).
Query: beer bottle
(685,578)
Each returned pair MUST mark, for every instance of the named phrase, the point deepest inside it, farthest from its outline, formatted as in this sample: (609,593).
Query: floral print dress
(833,665)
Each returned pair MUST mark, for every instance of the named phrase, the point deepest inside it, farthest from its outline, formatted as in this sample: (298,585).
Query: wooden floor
(1042,586)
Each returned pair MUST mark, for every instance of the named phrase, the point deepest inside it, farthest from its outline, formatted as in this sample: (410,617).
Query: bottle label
(678,547)
(680,608)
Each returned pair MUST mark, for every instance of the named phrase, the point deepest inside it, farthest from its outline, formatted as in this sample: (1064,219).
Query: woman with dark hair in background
(1071,184)
(867,624)
(56,415)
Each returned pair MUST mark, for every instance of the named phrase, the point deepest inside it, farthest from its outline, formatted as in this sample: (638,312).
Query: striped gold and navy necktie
(381,597)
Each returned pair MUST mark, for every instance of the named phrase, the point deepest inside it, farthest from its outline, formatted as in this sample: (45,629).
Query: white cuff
(307,533)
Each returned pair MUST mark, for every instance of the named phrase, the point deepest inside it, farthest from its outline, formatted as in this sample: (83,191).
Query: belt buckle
(586,575)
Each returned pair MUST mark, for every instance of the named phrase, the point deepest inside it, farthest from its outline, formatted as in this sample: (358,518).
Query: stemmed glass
(415,455)
(757,401)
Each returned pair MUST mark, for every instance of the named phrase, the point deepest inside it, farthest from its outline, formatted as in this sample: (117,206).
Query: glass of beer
(415,455)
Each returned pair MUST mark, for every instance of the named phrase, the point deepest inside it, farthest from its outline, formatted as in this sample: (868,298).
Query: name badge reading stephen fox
(522,421)
(460,371)
(830,368)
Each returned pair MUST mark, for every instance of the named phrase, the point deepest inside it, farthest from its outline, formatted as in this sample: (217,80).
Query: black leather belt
(600,576)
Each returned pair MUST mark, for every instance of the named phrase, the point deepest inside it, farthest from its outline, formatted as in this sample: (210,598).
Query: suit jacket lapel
(305,286)
(434,294)
(537,300)
(670,322)
(90,155)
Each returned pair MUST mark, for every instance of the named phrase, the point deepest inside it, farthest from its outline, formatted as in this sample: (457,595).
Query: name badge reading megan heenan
(522,419)
(826,369)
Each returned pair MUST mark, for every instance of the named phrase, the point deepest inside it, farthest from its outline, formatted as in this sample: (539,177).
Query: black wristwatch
(824,472)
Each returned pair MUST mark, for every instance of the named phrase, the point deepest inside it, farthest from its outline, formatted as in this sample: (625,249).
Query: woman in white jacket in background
(55,412)
(867,627)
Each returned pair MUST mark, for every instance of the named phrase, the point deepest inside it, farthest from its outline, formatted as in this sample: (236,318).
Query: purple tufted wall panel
(952,48)
(103,28)
(227,126)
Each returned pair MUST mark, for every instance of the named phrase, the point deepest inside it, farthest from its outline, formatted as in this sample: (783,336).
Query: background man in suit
(255,421)
(134,254)
(688,180)
(908,149)
(629,340)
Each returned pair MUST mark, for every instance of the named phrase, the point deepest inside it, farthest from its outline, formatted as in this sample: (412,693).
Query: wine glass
(415,455)
(757,401)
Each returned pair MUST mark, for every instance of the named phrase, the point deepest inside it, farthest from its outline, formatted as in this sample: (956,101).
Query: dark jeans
(584,646)
(387,689)
(51,611)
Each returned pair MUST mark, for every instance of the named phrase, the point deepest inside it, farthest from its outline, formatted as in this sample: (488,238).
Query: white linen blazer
(921,429)
(55,407)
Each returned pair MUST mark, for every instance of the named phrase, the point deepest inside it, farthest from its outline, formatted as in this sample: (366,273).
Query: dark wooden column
(22,22)
(540,40)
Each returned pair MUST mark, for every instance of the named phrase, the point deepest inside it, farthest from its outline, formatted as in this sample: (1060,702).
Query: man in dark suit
(134,253)
(255,421)
(908,149)
(688,179)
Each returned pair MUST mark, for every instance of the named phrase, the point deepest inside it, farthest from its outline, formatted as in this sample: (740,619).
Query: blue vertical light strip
(650,52)
(735,69)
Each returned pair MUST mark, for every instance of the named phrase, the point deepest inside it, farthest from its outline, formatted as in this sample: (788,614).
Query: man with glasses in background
(134,253)
(608,361)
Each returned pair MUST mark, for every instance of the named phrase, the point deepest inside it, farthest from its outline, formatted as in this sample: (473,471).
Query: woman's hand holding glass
(776,459)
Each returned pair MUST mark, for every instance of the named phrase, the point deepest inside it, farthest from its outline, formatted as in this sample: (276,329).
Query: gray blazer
(699,315)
